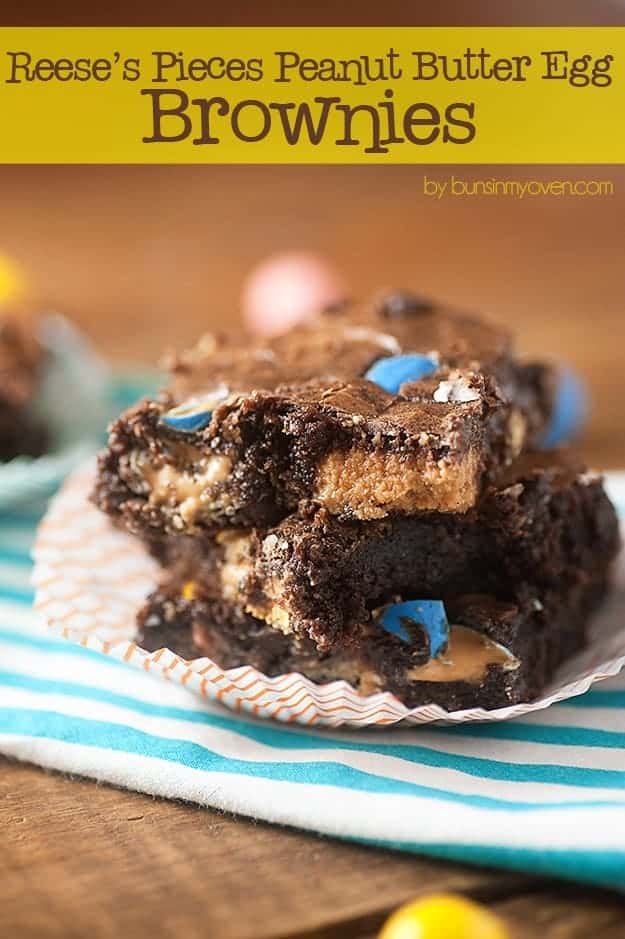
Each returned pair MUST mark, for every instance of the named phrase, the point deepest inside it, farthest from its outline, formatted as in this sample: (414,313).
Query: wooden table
(146,257)
(82,860)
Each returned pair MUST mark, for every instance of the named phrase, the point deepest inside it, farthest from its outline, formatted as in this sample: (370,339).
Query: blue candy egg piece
(430,614)
(190,416)
(570,410)
(391,372)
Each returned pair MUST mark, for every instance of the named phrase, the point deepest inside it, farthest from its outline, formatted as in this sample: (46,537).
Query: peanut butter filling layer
(468,656)
(274,615)
(188,492)
(236,563)
(369,485)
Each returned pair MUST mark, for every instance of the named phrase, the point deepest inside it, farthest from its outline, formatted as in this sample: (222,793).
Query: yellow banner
(453,95)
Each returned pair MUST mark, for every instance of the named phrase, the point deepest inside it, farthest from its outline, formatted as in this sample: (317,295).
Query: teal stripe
(20,520)
(51,725)
(301,740)
(11,555)
(550,734)
(22,595)
(53,645)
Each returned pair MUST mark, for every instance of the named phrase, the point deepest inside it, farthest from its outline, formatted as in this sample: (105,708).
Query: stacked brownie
(363,498)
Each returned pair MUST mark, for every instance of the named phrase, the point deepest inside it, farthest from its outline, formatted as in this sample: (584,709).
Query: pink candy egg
(286,289)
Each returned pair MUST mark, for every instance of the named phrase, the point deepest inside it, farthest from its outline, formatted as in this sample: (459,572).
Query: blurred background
(148,257)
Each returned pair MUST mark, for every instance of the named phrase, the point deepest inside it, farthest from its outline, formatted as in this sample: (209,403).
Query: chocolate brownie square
(548,523)
(395,407)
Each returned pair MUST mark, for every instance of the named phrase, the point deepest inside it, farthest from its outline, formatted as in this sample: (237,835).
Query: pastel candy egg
(430,614)
(188,418)
(288,288)
(393,371)
(570,410)
(195,413)
(444,916)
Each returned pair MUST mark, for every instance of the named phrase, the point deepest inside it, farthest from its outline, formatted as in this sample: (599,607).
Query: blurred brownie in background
(21,361)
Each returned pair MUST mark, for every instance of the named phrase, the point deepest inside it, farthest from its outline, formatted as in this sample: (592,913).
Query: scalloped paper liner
(91,579)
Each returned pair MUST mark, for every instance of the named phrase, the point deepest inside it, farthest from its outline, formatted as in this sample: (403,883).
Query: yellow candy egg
(443,916)
(12,281)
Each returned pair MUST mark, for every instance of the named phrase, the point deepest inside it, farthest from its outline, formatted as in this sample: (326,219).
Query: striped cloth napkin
(544,794)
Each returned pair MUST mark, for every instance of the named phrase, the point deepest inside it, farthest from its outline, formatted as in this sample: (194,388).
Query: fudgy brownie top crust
(392,407)
(340,345)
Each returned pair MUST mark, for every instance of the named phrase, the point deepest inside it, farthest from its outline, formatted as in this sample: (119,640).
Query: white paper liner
(91,579)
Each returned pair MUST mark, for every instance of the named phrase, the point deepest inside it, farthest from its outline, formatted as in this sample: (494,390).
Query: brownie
(499,652)
(21,359)
(548,524)
(390,408)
